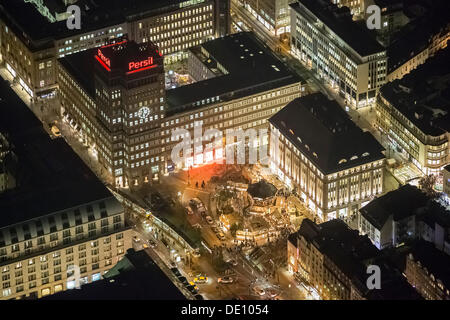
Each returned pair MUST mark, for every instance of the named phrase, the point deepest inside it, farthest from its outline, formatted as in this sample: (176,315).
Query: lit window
(96,277)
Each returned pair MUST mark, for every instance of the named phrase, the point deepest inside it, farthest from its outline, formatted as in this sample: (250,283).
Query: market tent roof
(262,189)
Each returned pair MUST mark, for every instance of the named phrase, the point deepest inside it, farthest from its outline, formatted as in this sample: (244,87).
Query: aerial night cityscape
(226,150)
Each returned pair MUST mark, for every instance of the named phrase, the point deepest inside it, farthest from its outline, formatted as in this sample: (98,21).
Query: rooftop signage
(140,65)
(104,61)
(133,66)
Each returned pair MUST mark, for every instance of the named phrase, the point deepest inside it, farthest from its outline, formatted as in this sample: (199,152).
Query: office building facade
(415,120)
(325,39)
(426,270)
(29,54)
(273,15)
(60,251)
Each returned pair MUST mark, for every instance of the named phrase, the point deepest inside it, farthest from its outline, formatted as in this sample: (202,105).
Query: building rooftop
(416,36)
(50,176)
(128,56)
(252,68)
(435,213)
(352,253)
(113,59)
(325,134)
(24,17)
(435,261)
(389,5)
(423,95)
(393,284)
(339,20)
(135,277)
(400,203)
(344,246)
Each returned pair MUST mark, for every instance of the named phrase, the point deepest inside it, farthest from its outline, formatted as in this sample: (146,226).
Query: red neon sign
(141,64)
(102,63)
(145,68)
(113,44)
(104,59)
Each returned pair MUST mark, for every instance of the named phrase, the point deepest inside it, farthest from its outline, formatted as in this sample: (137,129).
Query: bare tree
(427,183)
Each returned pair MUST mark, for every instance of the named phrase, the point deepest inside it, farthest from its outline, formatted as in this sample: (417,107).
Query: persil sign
(132,66)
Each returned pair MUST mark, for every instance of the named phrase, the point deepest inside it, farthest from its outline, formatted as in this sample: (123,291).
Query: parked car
(195,202)
(209,220)
(171,202)
(176,272)
(55,131)
(259,291)
(183,280)
(192,284)
(152,244)
(189,210)
(233,262)
(192,289)
(221,236)
(225,280)
(272,292)
(202,211)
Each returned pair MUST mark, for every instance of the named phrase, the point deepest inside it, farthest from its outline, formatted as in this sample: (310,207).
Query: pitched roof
(325,134)
(400,203)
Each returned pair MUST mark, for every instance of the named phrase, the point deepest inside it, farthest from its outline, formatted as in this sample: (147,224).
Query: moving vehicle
(201,279)
(209,220)
(259,291)
(225,280)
